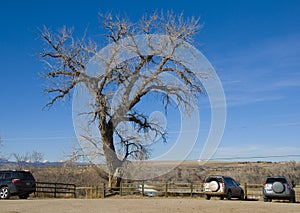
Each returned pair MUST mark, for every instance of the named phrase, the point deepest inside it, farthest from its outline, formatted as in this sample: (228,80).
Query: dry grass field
(143,205)
(191,171)
(82,176)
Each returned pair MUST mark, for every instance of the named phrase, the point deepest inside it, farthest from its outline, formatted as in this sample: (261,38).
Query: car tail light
(223,184)
(265,185)
(288,186)
(16,181)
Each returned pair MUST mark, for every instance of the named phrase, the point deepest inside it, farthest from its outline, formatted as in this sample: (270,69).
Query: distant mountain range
(14,165)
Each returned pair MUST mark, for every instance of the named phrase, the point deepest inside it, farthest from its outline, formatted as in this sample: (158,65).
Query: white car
(148,190)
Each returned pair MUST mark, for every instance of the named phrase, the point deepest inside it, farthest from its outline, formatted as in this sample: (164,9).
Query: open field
(190,171)
(142,205)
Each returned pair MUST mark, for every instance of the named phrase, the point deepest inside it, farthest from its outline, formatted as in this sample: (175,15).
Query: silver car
(222,186)
(278,188)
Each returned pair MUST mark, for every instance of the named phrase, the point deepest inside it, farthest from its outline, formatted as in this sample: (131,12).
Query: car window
(228,181)
(218,179)
(7,175)
(272,180)
(235,183)
(25,175)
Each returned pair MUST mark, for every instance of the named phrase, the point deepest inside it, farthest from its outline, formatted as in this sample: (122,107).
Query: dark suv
(278,188)
(222,186)
(20,183)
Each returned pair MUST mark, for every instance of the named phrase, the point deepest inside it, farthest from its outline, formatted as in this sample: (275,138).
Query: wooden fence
(252,191)
(45,189)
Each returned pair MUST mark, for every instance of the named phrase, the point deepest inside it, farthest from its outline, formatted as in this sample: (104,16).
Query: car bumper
(214,193)
(15,190)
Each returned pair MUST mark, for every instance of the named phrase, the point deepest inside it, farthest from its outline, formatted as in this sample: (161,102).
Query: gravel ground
(158,205)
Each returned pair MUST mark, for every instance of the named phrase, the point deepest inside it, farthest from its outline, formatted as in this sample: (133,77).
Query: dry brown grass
(192,171)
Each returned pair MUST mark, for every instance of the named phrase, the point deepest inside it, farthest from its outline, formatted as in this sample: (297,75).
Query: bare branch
(67,58)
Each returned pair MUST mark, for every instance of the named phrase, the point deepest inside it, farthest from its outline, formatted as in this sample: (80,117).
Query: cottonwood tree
(143,75)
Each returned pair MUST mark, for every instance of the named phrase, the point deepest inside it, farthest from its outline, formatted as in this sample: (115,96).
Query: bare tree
(21,160)
(36,157)
(144,74)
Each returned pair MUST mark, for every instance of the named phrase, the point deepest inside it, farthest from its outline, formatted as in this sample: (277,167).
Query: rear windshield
(272,180)
(218,179)
(25,175)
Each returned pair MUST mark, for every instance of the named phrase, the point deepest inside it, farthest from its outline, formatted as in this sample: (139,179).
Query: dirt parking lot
(113,205)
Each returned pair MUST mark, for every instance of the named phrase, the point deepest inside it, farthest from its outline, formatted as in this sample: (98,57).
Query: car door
(1,178)
(7,178)
(235,188)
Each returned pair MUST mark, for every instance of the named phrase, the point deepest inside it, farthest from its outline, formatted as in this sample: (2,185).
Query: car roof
(222,176)
(277,177)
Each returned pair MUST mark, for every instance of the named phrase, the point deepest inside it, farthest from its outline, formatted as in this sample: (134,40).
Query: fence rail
(252,191)
(192,189)
(55,189)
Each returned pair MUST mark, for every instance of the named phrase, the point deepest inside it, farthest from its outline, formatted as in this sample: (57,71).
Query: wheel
(23,196)
(293,200)
(267,199)
(214,186)
(4,193)
(222,198)
(207,197)
(278,187)
(229,196)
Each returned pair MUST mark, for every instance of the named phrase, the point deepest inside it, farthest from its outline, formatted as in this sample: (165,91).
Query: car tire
(229,195)
(222,198)
(4,193)
(242,196)
(23,196)
(278,187)
(207,197)
(266,199)
(214,186)
(293,200)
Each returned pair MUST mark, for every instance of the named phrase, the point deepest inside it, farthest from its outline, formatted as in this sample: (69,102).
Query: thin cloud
(257,152)
(287,124)
(261,73)
(288,83)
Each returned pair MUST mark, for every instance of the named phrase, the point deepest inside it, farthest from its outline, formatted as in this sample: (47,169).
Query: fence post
(121,189)
(143,188)
(166,190)
(74,191)
(103,190)
(55,185)
(191,189)
(246,191)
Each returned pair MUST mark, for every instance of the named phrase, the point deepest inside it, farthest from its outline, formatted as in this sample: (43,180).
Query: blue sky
(253,45)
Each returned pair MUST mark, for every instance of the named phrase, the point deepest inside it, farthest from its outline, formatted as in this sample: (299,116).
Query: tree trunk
(113,163)
(115,179)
